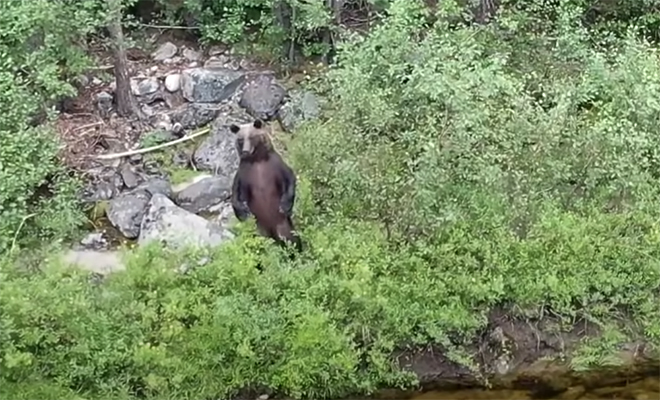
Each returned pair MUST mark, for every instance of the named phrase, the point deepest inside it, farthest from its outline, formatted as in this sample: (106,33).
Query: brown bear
(264,185)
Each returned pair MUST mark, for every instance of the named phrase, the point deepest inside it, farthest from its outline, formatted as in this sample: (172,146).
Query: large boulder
(164,221)
(217,153)
(204,194)
(262,96)
(125,212)
(202,85)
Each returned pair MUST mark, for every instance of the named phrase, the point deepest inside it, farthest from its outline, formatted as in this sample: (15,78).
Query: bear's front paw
(242,212)
(286,208)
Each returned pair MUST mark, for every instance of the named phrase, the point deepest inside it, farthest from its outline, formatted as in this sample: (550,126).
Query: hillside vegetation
(460,168)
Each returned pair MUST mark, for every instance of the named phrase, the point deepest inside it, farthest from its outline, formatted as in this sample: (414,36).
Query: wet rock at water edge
(125,212)
(204,194)
(300,107)
(165,51)
(200,85)
(262,96)
(164,221)
(217,153)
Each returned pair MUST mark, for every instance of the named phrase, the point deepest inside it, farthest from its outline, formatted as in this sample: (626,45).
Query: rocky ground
(158,195)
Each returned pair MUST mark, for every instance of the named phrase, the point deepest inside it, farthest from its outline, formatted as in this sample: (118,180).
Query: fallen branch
(153,148)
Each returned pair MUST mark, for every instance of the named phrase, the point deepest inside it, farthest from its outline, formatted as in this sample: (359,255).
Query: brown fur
(264,185)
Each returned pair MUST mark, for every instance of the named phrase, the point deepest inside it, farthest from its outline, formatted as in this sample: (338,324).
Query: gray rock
(217,62)
(104,103)
(216,50)
(105,182)
(177,228)
(129,177)
(101,262)
(262,96)
(204,194)
(191,55)
(194,115)
(300,107)
(217,153)
(165,51)
(162,121)
(125,212)
(157,186)
(224,213)
(173,82)
(94,240)
(145,87)
(199,85)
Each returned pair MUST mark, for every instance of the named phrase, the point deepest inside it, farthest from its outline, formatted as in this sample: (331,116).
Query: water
(645,389)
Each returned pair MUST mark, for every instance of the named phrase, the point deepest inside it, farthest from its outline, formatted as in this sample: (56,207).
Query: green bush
(495,152)
(37,54)
(461,169)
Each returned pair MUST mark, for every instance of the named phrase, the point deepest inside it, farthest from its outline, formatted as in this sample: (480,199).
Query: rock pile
(182,92)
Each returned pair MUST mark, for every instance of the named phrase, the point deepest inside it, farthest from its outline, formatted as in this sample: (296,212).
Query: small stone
(173,82)
(191,55)
(83,80)
(163,122)
(96,81)
(263,397)
(135,158)
(177,129)
(154,68)
(129,177)
(146,87)
(173,60)
(165,51)
(104,103)
(216,62)
(94,240)
(216,50)
(112,86)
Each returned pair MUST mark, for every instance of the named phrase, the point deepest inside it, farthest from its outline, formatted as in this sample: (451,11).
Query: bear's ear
(258,123)
(234,128)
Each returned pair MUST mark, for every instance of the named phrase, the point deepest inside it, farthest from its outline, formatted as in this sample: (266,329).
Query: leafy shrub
(37,52)
(463,168)
(471,146)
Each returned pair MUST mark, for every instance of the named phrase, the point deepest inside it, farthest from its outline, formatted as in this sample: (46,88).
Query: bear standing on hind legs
(264,185)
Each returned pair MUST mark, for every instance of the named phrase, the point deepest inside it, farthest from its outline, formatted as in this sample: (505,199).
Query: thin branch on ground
(169,27)
(152,148)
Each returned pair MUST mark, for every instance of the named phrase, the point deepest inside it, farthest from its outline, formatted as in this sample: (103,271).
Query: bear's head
(252,140)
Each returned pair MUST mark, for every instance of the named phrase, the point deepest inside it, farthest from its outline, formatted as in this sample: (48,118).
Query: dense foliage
(461,168)
(37,55)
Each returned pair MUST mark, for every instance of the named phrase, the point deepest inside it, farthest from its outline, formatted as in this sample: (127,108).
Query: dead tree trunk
(127,105)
